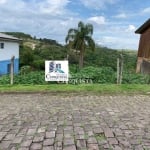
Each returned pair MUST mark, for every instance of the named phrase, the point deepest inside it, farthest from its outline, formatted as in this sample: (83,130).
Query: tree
(80,38)
(26,55)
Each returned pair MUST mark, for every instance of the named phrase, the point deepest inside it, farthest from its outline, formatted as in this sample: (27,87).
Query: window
(1,45)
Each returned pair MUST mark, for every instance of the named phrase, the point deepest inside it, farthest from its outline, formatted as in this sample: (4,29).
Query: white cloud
(131,28)
(52,19)
(146,10)
(53,7)
(97,4)
(47,18)
(2,1)
(122,16)
(117,36)
(119,42)
(97,19)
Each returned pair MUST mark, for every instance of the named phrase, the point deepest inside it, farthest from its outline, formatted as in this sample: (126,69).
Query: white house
(9,46)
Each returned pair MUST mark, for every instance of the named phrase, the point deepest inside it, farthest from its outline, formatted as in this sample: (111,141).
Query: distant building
(9,46)
(143,62)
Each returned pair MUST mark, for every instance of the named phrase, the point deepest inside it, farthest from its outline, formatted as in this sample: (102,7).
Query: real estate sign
(56,70)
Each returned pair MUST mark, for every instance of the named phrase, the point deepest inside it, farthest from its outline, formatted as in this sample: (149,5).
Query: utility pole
(12,70)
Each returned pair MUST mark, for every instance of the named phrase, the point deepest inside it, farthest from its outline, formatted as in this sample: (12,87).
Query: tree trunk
(81,59)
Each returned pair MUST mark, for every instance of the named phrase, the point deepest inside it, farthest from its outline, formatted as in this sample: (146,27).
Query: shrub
(103,75)
(25,70)
(28,78)
(134,78)
(97,75)
(5,79)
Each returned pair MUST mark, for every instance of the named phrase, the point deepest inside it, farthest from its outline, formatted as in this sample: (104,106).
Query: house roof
(8,37)
(144,27)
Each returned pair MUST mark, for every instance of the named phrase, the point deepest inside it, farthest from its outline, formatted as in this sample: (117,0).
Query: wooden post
(12,70)
(118,70)
(121,67)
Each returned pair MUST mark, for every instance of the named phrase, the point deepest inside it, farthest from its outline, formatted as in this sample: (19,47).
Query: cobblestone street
(74,122)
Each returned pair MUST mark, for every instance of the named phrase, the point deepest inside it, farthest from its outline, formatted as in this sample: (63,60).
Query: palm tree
(80,38)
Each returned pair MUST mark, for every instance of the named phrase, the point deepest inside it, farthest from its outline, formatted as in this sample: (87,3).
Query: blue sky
(114,21)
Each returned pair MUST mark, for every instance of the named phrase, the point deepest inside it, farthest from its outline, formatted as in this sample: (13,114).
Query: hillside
(28,40)
(34,52)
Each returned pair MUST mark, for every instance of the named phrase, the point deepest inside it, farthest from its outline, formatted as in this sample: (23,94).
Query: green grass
(81,88)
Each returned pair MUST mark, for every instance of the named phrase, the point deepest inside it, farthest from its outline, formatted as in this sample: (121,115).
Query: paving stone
(36,146)
(50,134)
(31,131)
(116,147)
(17,140)
(81,137)
(102,142)
(10,136)
(47,121)
(68,128)
(38,139)
(48,142)
(69,141)
(113,141)
(59,137)
(13,148)
(68,135)
(128,133)
(81,144)
(92,140)
(124,142)
(58,144)
(138,147)
(26,143)
(58,148)
(23,148)
(90,133)
(93,147)
(108,133)
(135,141)
(28,137)
(98,131)
(106,146)
(48,148)
(71,147)
(41,129)
(5,145)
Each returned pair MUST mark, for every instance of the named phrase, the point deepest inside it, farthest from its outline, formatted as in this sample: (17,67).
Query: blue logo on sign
(53,67)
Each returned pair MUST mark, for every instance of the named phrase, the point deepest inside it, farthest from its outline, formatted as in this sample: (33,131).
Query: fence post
(12,70)
(118,70)
(121,68)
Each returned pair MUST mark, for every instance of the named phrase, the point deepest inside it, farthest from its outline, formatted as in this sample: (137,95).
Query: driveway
(74,122)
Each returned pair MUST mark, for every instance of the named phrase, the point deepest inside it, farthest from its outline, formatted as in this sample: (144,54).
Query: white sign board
(56,70)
